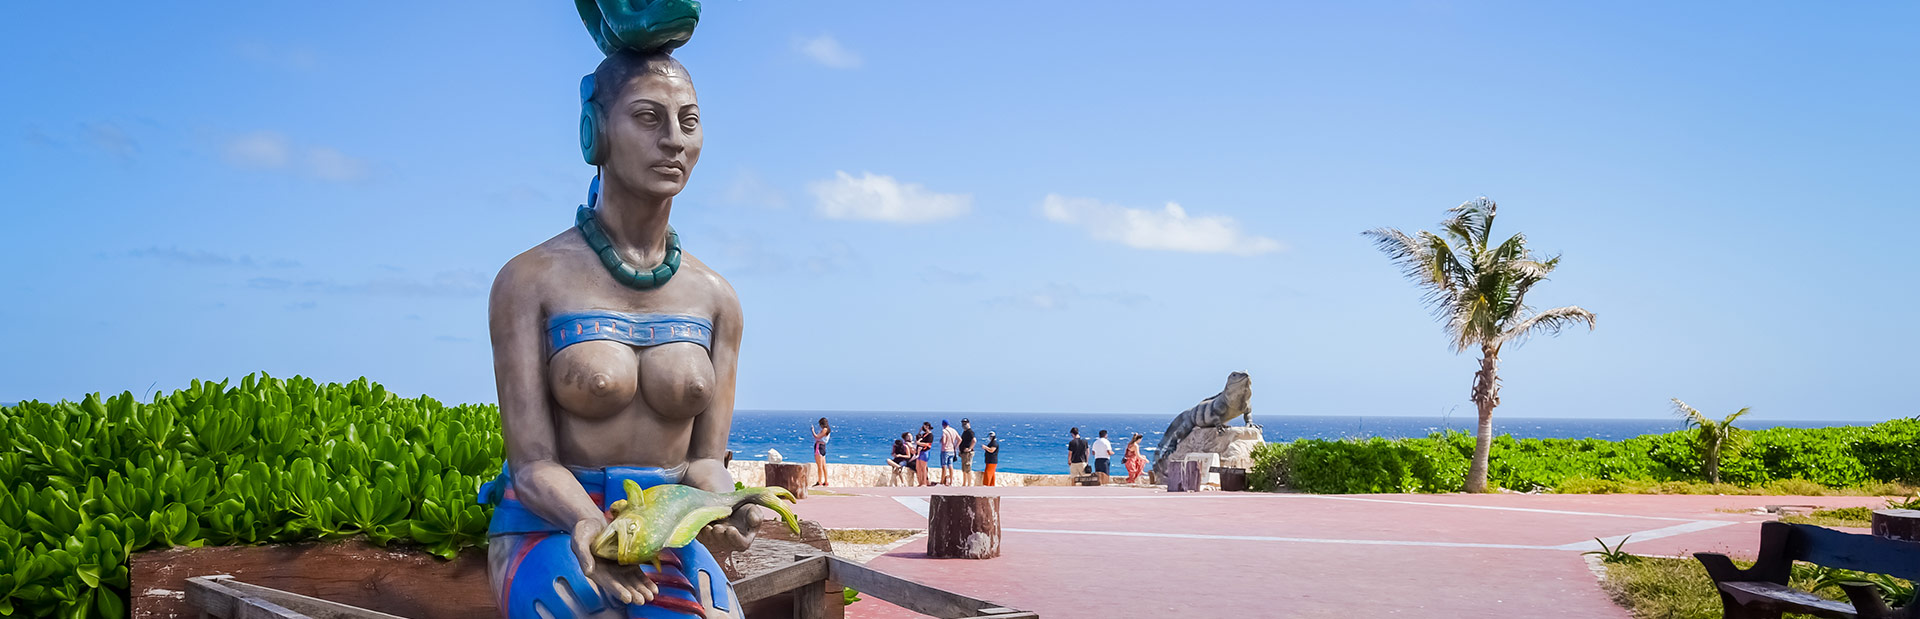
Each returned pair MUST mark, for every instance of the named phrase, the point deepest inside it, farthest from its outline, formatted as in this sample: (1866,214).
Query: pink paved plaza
(1130,552)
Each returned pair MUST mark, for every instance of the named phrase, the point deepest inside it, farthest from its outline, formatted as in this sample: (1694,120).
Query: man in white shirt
(1102,452)
(949,451)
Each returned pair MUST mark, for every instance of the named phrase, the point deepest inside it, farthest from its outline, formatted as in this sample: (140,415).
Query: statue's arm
(706,464)
(514,322)
(706,456)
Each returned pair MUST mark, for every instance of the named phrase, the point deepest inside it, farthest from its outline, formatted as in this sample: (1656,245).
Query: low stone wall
(753,473)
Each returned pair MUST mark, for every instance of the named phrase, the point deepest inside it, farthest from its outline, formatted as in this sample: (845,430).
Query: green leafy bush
(84,485)
(1780,460)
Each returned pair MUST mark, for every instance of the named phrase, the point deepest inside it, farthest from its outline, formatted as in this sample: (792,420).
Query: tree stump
(963,527)
(1900,524)
(792,476)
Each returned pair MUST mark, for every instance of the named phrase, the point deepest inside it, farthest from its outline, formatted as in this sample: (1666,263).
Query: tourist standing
(966,452)
(1102,452)
(1076,453)
(992,459)
(949,451)
(820,436)
(1134,462)
(923,444)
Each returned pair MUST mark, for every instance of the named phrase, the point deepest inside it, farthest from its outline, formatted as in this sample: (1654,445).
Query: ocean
(1037,442)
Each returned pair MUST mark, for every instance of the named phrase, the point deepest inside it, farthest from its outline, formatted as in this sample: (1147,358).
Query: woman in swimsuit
(820,436)
(921,445)
(614,354)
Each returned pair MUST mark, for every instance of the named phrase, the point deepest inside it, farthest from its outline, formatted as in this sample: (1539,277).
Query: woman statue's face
(653,129)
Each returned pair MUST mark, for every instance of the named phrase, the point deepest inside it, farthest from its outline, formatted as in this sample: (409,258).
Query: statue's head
(640,123)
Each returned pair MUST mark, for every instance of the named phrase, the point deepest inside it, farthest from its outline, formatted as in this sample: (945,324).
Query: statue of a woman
(614,354)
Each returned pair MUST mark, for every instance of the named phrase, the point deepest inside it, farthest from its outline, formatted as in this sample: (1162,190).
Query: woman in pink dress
(1134,461)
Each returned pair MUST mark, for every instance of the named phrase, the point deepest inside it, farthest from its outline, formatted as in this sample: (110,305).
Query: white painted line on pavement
(1258,495)
(920,506)
(1641,536)
(1305,540)
(917,504)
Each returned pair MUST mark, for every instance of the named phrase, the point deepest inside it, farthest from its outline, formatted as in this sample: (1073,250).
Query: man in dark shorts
(966,452)
(1076,454)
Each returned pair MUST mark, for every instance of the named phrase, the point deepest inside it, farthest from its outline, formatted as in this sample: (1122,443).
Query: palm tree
(1713,436)
(1479,289)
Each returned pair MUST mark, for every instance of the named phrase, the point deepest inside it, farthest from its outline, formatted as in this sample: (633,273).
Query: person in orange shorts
(992,459)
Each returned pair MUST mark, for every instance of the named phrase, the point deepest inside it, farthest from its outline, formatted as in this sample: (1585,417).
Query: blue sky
(943,206)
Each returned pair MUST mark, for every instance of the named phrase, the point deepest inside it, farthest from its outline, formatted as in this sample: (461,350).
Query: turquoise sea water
(1037,442)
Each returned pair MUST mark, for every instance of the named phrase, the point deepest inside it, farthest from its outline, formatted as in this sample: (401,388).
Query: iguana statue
(1233,402)
(670,515)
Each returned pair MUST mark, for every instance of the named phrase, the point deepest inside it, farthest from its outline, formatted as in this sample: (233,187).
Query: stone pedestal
(1234,446)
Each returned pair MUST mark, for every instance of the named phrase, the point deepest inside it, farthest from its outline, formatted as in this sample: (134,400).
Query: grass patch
(1784,487)
(878,537)
(1857,517)
(1668,588)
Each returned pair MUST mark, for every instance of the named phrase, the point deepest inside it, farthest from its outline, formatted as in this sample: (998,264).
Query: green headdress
(639,25)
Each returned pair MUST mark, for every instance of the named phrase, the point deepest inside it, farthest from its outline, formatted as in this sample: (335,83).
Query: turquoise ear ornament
(590,139)
(623,272)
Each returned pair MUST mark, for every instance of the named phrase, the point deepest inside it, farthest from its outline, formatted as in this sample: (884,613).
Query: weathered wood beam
(782,580)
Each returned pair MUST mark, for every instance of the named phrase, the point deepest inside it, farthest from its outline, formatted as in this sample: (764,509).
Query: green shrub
(1786,461)
(83,485)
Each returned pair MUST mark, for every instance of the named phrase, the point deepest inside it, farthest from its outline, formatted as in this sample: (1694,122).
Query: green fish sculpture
(670,515)
(639,25)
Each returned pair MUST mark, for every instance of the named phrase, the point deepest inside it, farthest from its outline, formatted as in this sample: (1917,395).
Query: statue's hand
(624,584)
(735,533)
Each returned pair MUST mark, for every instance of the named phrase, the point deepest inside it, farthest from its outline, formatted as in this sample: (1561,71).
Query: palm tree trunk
(1712,463)
(1486,395)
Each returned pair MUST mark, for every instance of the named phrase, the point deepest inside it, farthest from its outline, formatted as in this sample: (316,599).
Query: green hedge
(83,485)
(1836,457)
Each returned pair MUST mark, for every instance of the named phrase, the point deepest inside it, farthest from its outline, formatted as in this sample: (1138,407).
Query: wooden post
(794,477)
(963,527)
(1900,524)
(1186,476)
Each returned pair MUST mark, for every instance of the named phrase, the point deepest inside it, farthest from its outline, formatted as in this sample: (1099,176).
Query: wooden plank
(905,593)
(1853,551)
(782,580)
(214,597)
(308,606)
(810,601)
(1776,597)
(396,580)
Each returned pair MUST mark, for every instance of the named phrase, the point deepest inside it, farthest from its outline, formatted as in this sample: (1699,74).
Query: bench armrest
(1722,569)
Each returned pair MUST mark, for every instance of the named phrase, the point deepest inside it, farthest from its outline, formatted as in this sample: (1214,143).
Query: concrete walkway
(1129,552)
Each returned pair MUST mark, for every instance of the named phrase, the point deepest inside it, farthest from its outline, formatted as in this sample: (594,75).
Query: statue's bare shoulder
(725,302)
(527,276)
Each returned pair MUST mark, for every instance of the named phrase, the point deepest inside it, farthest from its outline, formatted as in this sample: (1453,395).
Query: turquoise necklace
(625,273)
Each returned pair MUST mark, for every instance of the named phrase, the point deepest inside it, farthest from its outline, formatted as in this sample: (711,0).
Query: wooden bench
(1761,591)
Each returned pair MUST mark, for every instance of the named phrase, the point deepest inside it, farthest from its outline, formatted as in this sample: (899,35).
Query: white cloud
(881,198)
(260,149)
(1169,228)
(332,165)
(827,50)
(268,150)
